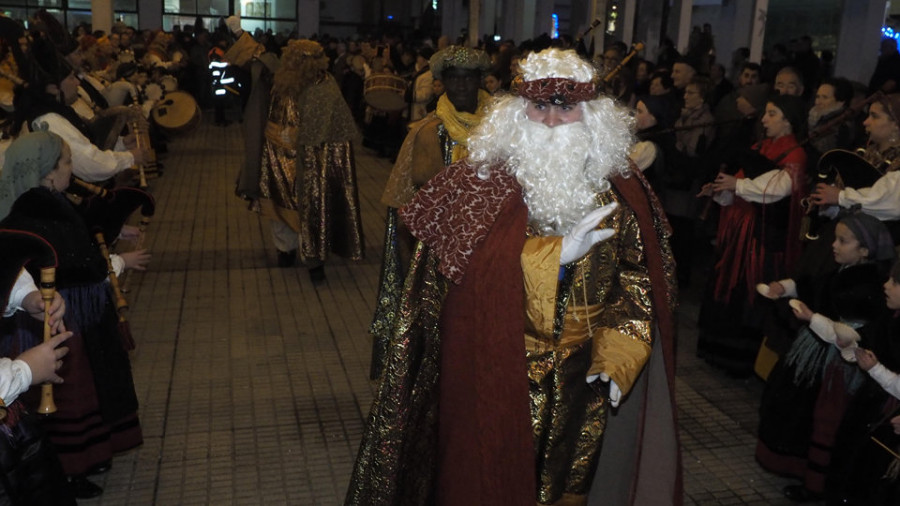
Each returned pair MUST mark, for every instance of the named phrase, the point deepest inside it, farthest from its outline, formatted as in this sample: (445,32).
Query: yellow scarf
(458,124)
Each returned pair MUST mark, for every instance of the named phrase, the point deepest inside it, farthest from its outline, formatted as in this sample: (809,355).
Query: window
(23,9)
(125,11)
(186,12)
(280,16)
(70,13)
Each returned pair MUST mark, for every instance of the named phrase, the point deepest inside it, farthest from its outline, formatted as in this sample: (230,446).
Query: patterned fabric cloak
(308,172)
(458,348)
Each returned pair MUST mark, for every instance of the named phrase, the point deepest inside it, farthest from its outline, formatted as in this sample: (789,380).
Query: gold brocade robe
(426,150)
(592,316)
(308,173)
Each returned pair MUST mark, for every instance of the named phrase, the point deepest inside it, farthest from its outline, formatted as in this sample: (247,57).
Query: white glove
(615,393)
(583,236)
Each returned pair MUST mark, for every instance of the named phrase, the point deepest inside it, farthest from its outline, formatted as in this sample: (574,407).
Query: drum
(168,83)
(385,92)
(176,113)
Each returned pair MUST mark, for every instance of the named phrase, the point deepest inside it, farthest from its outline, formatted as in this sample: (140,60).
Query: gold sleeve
(614,277)
(618,355)
(609,301)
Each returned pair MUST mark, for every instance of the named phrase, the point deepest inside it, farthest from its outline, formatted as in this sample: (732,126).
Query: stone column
(307,17)
(102,15)
(860,39)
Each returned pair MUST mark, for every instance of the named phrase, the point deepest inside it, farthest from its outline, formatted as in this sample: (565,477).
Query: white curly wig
(557,63)
(561,169)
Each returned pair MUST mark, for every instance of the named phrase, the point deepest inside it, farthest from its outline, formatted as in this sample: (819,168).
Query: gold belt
(578,326)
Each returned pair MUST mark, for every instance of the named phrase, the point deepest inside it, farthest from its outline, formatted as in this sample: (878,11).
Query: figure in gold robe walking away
(308,174)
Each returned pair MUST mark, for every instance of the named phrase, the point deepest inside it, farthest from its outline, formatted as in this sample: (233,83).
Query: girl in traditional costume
(864,468)
(809,389)
(758,236)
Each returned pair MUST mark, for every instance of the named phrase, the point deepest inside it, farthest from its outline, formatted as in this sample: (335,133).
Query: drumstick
(48,288)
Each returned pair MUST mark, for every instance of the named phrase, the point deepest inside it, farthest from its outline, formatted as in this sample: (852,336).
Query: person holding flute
(29,464)
(882,198)
(97,404)
(48,101)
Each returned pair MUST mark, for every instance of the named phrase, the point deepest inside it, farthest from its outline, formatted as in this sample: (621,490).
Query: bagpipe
(110,209)
(30,470)
(22,248)
(637,47)
(751,161)
(106,211)
(848,169)
(579,41)
(843,169)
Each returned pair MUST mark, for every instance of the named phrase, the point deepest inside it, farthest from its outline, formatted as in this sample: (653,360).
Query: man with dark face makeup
(434,142)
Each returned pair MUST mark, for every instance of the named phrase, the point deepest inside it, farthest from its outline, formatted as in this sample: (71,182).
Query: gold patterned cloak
(434,142)
(427,441)
(308,172)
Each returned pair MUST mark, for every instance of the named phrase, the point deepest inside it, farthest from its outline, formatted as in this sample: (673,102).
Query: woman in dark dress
(97,404)
(757,239)
(809,389)
(863,471)
(30,472)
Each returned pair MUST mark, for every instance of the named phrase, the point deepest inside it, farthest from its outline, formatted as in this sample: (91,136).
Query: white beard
(550,165)
(561,169)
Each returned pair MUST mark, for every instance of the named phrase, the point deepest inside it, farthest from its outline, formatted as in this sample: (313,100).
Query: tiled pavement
(253,382)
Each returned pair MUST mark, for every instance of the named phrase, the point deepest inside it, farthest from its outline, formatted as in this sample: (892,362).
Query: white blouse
(881,200)
(89,162)
(766,188)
